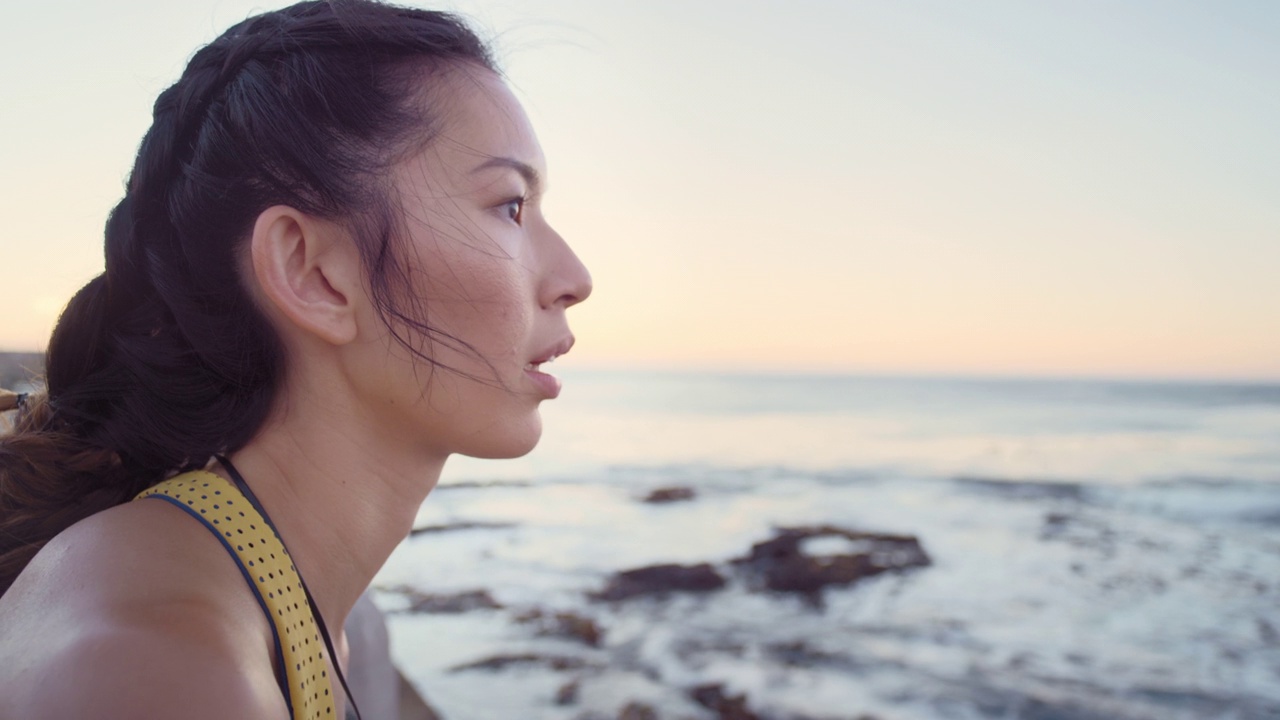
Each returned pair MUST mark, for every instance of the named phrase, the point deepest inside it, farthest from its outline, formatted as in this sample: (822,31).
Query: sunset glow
(991,188)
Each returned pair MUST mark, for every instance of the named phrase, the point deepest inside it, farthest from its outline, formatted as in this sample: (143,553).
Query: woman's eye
(514,209)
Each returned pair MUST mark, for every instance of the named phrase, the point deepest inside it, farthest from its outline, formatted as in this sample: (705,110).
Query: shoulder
(142,555)
(137,611)
(140,670)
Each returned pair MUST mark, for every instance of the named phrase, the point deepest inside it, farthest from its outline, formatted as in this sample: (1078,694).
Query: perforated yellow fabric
(272,576)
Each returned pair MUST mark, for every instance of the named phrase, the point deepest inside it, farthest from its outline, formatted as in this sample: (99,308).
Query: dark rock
(691,649)
(449,527)
(504,661)
(726,707)
(1081,530)
(660,580)
(1055,521)
(781,565)
(864,716)
(451,604)
(637,711)
(568,693)
(565,625)
(1267,633)
(670,494)
(1025,489)
(801,654)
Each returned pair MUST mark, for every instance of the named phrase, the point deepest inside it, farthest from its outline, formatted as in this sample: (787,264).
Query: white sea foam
(1147,593)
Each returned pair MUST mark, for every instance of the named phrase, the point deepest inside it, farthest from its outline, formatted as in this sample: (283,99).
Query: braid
(164,360)
(56,480)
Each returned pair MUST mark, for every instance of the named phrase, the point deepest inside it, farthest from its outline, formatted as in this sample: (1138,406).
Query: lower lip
(548,384)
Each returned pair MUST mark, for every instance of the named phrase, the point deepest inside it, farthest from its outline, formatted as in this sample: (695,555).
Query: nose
(568,281)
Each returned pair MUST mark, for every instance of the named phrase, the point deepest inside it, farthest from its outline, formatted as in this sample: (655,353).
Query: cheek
(491,312)
(472,290)
(503,327)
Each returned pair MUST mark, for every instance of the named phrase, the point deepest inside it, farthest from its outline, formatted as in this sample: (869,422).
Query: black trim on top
(315,611)
(283,678)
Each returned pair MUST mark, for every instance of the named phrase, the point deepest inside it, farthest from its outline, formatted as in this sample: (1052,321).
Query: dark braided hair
(164,360)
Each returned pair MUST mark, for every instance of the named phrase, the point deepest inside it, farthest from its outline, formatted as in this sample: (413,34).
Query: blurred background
(969,309)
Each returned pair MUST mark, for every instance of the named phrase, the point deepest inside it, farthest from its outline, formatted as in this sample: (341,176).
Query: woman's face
(488,274)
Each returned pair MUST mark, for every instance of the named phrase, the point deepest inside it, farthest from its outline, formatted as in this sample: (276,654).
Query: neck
(339,499)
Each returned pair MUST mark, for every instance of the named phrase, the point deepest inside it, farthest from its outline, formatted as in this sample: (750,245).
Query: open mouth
(547,384)
(536,366)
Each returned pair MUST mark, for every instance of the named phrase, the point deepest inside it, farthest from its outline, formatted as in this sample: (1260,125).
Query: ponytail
(49,480)
(51,474)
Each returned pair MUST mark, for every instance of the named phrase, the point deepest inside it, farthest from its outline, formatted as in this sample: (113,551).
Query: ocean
(1096,550)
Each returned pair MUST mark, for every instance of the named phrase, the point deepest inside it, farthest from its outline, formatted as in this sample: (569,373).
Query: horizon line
(745,371)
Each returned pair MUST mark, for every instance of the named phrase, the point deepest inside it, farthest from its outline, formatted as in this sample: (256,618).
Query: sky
(1080,188)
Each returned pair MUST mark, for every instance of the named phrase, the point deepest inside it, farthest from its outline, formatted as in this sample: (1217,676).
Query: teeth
(536,365)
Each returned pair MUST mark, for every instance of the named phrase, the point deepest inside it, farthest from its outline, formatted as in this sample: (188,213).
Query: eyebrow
(527,171)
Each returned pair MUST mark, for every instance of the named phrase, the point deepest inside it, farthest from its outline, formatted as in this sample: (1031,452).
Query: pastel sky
(1048,188)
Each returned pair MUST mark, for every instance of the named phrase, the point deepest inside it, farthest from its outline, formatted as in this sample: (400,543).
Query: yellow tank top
(267,568)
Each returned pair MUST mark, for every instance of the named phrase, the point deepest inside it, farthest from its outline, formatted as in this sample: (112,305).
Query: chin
(507,442)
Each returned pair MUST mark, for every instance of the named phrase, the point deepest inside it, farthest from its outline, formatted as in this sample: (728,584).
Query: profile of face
(490,276)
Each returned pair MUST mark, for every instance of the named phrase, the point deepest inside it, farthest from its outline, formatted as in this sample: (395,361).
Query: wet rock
(782,565)
(564,625)
(568,693)
(450,527)
(451,604)
(504,661)
(1080,530)
(1267,633)
(800,654)
(661,580)
(691,649)
(637,711)
(670,495)
(1134,582)
(1078,659)
(1025,489)
(726,707)
(1054,523)
(829,717)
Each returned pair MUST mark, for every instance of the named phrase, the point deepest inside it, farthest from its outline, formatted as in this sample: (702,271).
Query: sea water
(1099,550)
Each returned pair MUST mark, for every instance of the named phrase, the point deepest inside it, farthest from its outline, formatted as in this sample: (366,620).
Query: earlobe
(305,273)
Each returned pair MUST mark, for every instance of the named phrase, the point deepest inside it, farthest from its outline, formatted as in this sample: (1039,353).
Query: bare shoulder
(135,612)
(141,671)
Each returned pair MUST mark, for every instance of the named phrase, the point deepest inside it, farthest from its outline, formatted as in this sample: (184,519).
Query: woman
(330,272)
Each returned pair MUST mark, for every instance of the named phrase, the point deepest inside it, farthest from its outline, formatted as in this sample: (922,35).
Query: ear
(308,271)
